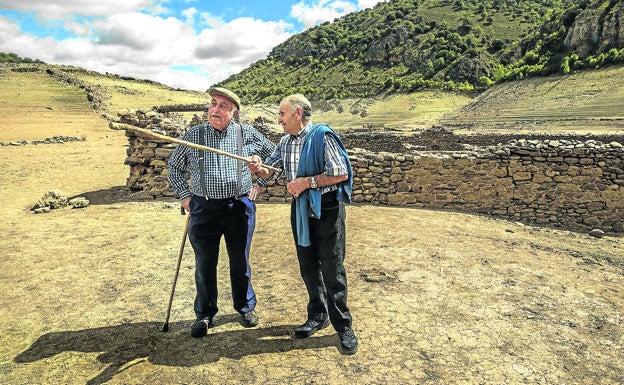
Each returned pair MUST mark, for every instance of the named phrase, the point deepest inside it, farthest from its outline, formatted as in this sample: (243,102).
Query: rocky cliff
(597,30)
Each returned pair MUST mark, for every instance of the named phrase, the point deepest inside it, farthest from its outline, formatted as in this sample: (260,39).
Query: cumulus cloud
(60,9)
(311,14)
(363,4)
(241,39)
(140,31)
(324,10)
(143,39)
(154,47)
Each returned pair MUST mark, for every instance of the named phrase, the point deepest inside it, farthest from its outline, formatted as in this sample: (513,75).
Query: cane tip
(165,328)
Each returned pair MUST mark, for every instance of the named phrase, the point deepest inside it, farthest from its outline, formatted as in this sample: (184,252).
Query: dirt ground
(437,297)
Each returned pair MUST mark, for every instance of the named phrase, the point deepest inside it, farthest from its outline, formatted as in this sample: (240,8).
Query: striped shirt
(221,171)
(288,151)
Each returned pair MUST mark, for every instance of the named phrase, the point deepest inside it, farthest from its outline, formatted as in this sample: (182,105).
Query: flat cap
(212,91)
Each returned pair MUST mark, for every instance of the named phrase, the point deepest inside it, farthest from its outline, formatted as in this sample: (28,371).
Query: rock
(79,202)
(51,200)
(597,233)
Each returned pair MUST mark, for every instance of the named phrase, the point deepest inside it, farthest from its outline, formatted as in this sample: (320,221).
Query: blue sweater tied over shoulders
(312,162)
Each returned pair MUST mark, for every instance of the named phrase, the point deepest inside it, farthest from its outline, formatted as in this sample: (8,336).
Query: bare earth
(437,297)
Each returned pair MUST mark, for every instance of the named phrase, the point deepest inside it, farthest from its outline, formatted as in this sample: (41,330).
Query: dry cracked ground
(437,297)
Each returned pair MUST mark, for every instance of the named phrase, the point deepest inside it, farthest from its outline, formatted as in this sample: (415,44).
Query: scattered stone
(51,200)
(169,205)
(597,233)
(79,202)
(54,199)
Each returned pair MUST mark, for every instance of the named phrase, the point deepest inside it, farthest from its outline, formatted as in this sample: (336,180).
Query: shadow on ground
(124,343)
(118,194)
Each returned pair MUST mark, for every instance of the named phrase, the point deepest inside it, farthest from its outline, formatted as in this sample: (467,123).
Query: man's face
(220,112)
(290,118)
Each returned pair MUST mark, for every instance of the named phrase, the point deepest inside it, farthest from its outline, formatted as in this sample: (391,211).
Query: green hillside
(404,46)
(583,102)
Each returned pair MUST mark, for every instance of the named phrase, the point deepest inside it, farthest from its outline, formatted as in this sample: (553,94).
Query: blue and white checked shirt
(288,151)
(221,171)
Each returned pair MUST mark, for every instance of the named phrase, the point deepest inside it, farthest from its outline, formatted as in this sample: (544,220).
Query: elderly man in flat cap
(218,204)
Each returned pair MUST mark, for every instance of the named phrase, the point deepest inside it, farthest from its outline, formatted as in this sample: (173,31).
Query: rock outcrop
(597,30)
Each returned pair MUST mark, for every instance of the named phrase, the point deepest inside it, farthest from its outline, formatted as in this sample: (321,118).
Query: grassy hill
(72,99)
(404,46)
(587,101)
(583,102)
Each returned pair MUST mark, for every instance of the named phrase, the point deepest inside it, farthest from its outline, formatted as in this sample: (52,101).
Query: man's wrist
(313,183)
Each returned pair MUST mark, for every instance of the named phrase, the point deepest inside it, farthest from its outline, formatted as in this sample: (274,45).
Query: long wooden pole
(185,143)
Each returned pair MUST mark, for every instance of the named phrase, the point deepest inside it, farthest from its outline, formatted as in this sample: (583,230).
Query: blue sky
(189,44)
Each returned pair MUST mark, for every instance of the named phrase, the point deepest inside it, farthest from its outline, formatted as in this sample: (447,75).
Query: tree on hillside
(13,58)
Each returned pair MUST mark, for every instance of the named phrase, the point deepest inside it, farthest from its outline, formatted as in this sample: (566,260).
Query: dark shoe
(250,319)
(200,327)
(348,341)
(310,327)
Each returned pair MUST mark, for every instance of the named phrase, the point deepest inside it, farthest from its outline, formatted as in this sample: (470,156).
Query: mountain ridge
(403,46)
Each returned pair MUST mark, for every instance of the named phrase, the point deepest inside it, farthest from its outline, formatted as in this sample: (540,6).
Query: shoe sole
(201,332)
(301,335)
(249,325)
(344,350)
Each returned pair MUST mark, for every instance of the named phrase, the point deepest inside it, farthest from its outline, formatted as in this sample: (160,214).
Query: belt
(221,200)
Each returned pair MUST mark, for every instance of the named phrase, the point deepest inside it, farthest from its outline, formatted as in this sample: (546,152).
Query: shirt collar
(304,131)
(222,132)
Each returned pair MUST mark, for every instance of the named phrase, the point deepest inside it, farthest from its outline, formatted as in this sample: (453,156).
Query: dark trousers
(235,220)
(322,263)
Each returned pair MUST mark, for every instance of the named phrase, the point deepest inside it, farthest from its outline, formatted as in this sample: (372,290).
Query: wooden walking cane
(185,143)
(175,277)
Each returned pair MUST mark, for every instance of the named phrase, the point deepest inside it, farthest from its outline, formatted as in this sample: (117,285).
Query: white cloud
(240,39)
(210,20)
(8,29)
(59,9)
(152,47)
(363,4)
(320,11)
(191,52)
(140,31)
(190,14)
(76,28)
(324,10)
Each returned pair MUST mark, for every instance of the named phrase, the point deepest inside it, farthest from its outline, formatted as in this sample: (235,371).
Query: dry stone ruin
(556,181)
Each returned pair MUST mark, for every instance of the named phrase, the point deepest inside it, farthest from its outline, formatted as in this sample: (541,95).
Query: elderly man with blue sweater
(319,174)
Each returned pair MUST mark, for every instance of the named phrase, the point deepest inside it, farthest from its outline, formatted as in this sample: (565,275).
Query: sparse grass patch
(35,106)
(138,94)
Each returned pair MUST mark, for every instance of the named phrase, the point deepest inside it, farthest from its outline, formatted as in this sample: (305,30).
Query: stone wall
(572,184)
(575,185)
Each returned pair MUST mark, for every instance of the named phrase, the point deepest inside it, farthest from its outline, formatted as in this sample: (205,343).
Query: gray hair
(300,101)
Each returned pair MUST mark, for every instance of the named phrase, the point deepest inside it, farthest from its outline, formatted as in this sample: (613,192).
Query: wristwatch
(313,183)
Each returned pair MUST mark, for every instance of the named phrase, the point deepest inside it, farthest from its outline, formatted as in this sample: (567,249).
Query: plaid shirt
(221,171)
(288,151)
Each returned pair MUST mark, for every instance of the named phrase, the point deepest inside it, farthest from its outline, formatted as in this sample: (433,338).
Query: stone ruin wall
(577,185)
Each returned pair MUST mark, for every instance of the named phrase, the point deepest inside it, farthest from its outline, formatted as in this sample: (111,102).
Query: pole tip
(165,328)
